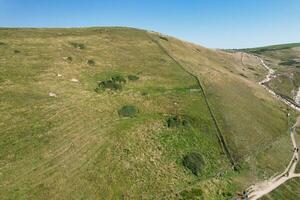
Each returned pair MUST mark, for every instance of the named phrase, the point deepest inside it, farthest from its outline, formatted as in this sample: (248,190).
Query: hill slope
(62,134)
(285,59)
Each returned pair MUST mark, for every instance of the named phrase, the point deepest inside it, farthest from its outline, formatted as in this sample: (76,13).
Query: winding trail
(260,189)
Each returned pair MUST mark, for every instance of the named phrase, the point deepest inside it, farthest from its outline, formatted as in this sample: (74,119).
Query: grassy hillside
(286,60)
(64,134)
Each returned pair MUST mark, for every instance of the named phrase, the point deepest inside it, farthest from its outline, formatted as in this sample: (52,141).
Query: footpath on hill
(263,188)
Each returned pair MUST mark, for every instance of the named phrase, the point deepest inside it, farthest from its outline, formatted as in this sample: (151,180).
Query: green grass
(76,146)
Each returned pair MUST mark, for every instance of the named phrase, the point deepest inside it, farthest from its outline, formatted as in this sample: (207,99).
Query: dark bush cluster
(289,62)
(177,121)
(91,62)
(128,111)
(118,79)
(109,84)
(163,38)
(2,43)
(133,77)
(17,51)
(194,162)
(114,84)
(77,45)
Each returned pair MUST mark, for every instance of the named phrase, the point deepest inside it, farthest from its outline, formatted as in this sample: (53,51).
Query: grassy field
(231,90)
(77,146)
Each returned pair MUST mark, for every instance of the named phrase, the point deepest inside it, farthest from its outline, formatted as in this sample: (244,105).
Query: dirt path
(260,189)
(297,97)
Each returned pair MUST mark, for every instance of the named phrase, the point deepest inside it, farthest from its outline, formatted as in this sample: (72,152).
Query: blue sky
(212,23)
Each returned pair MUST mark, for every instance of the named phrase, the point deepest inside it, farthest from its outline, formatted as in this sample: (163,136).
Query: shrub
(2,43)
(118,79)
(193,162)
(115,83)
(17,51)
(163,38)
(289,62)
(109,85)
(77,45)
(144,93)
(133,77)
(243,75)
(177,121)
(128,111)
(91,62)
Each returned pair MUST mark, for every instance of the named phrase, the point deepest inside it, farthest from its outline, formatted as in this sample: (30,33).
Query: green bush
(193,162)
(118,79)
(133,77)
(115,83)
(2,43)
(108,85)
(77,45)
(128,111)
(91,62)
(163,38)
(177,121)
(289,62)
(17,51)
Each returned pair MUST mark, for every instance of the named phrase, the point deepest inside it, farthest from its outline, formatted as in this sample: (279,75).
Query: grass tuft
(177,121)
(91,62)
(77,45)
(118,79)
(133,77)
(128,111)
(194,162)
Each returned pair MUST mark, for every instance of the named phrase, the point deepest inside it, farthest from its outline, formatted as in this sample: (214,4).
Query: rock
(75,80)
(51,94)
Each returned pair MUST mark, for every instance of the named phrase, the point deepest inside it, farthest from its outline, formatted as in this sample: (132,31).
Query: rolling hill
(123,113)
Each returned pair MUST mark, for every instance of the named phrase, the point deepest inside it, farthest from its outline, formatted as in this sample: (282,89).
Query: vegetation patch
(118,79)
(163,38)
(115,83)
(91,62)
(289,62)
(17,51)
(177,121)
(194,193)
(2,43)
(109,84)
(243,75)
(133,77)
(194,162)
(77,45)
(128,111)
